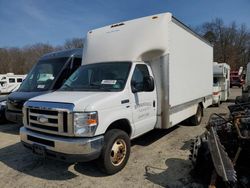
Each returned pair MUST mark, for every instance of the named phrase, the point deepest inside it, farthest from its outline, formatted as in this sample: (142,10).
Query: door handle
(153,103)
(125,101)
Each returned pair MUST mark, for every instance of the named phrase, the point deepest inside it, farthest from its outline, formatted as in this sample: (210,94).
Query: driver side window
(140,72)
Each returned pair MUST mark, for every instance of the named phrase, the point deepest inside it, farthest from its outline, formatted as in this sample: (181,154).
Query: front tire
(115,152)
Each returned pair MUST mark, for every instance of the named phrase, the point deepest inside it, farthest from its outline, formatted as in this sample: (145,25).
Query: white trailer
(221,85)
(10,82)
(151,72)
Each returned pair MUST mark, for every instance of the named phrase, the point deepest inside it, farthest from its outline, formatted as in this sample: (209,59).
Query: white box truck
(221,85)
(151,72)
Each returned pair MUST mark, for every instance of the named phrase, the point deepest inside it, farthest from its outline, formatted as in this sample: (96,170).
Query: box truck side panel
(190,70)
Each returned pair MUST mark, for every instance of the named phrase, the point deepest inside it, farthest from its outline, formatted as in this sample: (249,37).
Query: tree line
(231,42)
(231,45)
(20,60)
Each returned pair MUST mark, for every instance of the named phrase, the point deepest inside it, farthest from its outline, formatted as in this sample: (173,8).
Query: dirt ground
(158,159)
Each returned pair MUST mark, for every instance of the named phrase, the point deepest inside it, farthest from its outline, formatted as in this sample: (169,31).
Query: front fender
(108,116)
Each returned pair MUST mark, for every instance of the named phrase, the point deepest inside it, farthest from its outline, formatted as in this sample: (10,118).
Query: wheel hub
(118,152)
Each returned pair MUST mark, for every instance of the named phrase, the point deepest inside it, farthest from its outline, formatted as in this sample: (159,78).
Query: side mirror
(148,83)
(134,87)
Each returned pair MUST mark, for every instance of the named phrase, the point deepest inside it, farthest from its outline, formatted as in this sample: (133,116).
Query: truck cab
(47,75)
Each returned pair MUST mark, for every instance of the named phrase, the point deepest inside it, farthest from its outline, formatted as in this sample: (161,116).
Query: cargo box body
(181,61)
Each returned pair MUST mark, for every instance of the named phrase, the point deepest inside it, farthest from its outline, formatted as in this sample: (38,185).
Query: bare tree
(231,42)
(73,43)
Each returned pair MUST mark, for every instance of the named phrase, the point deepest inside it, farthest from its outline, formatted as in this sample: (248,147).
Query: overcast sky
(24,22)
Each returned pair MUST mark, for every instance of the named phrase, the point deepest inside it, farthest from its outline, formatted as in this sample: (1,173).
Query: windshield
(43,75)
(98,77)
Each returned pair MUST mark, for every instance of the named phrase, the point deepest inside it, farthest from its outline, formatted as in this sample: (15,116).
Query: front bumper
(15,117)
(63,148)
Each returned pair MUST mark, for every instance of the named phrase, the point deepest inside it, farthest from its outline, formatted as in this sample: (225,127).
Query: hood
(16,100)
(24,96)
(84,101)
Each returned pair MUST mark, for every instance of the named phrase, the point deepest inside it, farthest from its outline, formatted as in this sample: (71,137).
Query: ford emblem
(42,119)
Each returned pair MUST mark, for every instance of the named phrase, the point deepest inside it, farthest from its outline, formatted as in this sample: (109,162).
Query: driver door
(143,102)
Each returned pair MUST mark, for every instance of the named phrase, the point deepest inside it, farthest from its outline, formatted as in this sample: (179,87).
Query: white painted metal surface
(135,40)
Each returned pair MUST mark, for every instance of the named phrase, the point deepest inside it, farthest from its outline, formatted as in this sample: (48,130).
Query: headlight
(85,123)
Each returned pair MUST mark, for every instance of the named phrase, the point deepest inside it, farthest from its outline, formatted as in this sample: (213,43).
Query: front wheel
(115,152)
(196,119)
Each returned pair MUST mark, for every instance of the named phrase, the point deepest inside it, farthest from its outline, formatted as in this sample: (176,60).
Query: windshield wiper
(95,85)
(67,86)
(106,89)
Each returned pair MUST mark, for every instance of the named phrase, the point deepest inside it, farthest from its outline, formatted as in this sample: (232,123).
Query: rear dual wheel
(196,119)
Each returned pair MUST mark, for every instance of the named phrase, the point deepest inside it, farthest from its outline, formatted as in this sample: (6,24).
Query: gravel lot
(158,159)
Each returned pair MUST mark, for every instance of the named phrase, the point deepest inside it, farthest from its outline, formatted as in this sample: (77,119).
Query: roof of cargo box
(134,40)
(220,68)
(77,52)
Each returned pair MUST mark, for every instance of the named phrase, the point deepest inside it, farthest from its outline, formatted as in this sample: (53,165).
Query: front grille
(50,121)
(46,112)
(44,127)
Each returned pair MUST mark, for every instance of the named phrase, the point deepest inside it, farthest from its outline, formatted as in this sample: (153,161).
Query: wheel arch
(122,124)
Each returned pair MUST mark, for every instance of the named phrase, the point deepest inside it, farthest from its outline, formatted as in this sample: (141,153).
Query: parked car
(237,78)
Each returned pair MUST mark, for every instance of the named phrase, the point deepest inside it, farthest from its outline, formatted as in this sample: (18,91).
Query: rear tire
(218,104)
(196,119)
(115,152)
